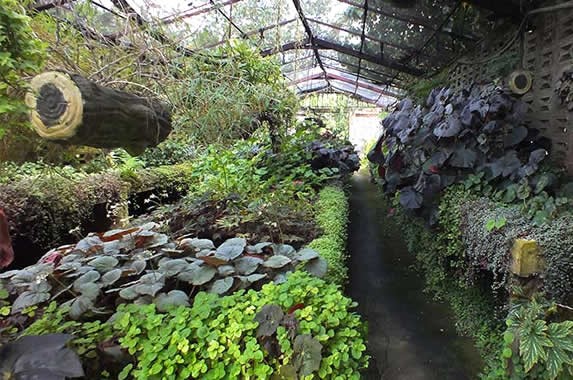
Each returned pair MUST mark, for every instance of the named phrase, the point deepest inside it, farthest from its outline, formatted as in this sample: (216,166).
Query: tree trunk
(68,108)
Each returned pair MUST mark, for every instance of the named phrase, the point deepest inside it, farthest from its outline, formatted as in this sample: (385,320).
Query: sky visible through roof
(367,48)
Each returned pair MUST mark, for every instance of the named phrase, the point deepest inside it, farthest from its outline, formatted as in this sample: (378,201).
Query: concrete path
(411,337)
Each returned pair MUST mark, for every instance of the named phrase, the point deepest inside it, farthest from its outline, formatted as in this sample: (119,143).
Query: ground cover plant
(332,218)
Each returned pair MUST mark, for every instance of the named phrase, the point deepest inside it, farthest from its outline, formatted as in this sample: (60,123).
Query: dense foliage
(222,99)
(221,339)
(474,136)
(467,264)
(536,344)
(224,337)
(44,207)
(21,54)
(143,266)
(332,217)
(440,255)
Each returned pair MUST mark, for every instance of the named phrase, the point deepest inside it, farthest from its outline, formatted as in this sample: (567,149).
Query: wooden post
(69,108)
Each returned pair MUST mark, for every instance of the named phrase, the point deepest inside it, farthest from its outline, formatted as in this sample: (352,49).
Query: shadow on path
(411,337)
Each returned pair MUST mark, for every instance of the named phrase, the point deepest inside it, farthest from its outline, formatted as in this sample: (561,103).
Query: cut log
(68,108)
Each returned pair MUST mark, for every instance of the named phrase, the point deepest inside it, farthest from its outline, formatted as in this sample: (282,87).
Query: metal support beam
(194,12)
(309,34)
(228,18)
(362,39)
(333,76)
(252,33)
(125,7)
(323,44)
(349,31)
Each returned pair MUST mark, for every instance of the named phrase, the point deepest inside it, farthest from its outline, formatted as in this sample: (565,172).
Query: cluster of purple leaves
(343,158)
(426,148)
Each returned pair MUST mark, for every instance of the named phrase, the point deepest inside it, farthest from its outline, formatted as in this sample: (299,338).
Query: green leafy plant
(332,218)
(21,54)
(216,337)
(495,224)
(535,348)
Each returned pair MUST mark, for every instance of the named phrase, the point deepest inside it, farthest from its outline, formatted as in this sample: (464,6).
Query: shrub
(43,208)
(332,217)
(217,337)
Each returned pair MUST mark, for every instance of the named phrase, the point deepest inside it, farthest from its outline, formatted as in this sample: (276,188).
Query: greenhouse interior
(286,189)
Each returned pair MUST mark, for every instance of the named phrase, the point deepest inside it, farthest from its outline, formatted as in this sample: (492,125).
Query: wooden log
(68,108)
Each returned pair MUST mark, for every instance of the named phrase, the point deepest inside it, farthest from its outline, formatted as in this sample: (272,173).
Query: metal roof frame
(402,58)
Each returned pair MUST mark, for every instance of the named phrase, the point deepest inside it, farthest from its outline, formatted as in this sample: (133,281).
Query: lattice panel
(464,75)
(548,53)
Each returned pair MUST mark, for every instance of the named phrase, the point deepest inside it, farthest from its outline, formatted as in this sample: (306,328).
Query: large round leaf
(277,261)
(317,267)
(164,301)
(463,158)
(129,293)
(269,318)
(42,357)
(307,254)
(231,249)
(172,267)
(247,264)
(221,286)
(149,289)
(307,354)
(104,263)
(515,136)
(258,248)
(226,270)
(111,277)
(29,298)
(79,306)
(284,250)
(197,244)
(198,275)
(448,128)
(138,266)
(88,277)
(409,198)
(537,156)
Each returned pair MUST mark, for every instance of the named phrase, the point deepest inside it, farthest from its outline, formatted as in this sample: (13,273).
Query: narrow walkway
(410,337)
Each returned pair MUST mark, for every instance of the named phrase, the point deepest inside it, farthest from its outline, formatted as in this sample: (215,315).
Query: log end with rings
(56,106)
(68,108)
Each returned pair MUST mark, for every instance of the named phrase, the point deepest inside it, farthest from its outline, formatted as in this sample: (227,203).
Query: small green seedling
(496,224)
